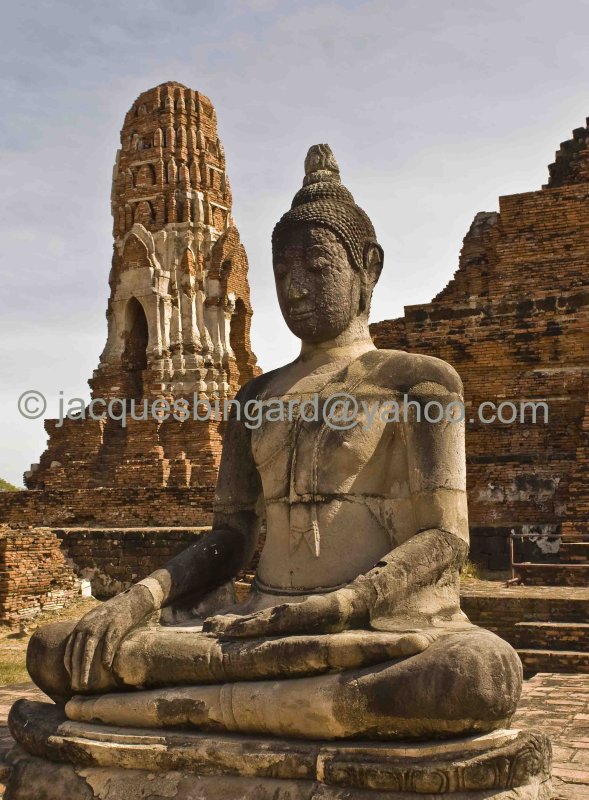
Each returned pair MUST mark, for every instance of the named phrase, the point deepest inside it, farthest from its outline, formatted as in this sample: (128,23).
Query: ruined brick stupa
(514,322)
(179,309)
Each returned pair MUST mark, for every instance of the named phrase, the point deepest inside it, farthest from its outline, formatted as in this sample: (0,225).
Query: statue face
(318,289)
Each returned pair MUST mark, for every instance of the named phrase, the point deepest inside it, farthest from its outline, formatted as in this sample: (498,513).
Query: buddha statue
(352,630)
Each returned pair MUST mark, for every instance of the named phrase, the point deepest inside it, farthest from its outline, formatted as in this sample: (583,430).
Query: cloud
(432,109)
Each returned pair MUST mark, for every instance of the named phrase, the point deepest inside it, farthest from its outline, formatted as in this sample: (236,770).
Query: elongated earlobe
(373,261)
(365,292)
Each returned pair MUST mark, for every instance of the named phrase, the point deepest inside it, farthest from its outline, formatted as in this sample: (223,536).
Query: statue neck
(348,345)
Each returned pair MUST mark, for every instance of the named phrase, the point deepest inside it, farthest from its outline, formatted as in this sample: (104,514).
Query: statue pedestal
(57,759)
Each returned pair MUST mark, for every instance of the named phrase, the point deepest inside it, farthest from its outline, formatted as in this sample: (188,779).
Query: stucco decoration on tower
(176,251)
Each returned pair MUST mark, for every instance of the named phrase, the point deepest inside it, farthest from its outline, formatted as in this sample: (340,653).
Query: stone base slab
(34,778)
(58,759)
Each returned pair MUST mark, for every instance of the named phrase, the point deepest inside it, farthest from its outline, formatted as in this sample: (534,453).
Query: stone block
(57,758)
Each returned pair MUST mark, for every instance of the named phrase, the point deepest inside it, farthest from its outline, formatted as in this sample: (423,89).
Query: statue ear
(370,273)
(373,261)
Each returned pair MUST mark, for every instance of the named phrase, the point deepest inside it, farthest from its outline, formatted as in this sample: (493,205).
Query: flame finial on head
(320,165)
(324,200)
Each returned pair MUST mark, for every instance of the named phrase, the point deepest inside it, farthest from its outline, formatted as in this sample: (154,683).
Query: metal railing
(579,538)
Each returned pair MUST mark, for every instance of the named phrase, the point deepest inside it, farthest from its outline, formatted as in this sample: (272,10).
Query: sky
(433,109)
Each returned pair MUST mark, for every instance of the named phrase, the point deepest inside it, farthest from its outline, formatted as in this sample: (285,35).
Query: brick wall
(116,507)
(41,568)
(514,322)
(34,573)
(112,559)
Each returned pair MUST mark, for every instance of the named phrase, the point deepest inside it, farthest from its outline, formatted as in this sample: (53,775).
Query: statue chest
(336,498)
(308,452)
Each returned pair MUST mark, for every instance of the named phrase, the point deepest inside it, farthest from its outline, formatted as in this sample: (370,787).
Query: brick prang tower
(179,310)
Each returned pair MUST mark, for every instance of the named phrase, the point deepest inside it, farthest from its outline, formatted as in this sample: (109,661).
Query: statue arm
(412,566)
(200,568)
(418,563)
(437,483)
(221,554)
(216,558)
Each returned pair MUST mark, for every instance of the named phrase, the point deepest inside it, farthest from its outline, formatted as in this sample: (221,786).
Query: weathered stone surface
(505,763)
(54,782)
(551,704)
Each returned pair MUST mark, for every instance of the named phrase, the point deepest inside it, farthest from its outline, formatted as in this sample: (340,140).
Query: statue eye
(317,257)
(281,269)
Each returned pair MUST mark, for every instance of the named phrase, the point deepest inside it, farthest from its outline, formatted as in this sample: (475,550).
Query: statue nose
(297,292)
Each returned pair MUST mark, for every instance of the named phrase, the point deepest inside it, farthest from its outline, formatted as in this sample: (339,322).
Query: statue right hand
(332,612)
(99,633)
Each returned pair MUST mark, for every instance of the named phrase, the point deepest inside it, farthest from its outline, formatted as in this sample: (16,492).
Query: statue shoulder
(413,373)
(254,388)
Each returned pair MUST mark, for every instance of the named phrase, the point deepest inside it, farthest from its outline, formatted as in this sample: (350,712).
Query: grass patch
(470,571)
(8,487)
(13,644)
(12,664)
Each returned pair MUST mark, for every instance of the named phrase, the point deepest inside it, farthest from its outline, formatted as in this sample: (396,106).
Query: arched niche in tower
(134,358)
(181,138)
(238,340)
(145,175)
(119,218)
(219,219)
(194,173)
(187,262)
(144,213)
(134,254)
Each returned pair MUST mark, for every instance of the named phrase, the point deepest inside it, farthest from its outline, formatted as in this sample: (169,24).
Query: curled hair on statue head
(323,200)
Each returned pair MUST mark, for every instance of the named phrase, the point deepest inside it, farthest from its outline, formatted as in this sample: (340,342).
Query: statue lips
(303,323)
(301,314)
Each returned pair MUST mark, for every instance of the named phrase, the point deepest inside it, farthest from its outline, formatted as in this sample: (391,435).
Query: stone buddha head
(325,255)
